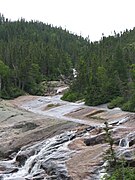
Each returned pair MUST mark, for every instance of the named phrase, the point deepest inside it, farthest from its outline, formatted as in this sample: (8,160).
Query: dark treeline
(31,52)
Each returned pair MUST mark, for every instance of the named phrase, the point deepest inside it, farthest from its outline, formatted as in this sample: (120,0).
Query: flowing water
(124,142)
(47,159)
(44,160)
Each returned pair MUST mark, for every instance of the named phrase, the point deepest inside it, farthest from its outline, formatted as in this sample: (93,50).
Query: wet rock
(10,170)
(21,159)
(55,171)
(132,142)
(124,142)
(129,156)
(65,137)
(128,141)
(11,153)
(45,159)
(38,175)
(61,177)
(2,168)
(98,139)
(131,138)
(18,178)
(1,177)
(90,128)
(81,133)
(48,159)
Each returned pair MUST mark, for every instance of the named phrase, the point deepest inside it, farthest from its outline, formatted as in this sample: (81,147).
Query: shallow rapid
(45,159)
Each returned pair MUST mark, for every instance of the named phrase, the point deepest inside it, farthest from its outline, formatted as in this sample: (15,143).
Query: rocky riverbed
(47,138)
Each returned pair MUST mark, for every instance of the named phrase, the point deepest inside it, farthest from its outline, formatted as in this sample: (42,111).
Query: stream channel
(47,159)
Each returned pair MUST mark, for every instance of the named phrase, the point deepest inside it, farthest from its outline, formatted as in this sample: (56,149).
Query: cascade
(48,159)
(124,142)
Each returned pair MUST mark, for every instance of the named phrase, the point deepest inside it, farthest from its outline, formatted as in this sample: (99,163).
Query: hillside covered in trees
(106,72)
(32,52)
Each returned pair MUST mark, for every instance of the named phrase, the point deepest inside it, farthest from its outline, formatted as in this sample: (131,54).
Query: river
(61,156)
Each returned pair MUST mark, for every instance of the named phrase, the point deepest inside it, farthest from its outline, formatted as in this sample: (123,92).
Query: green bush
(125,105)
(117,169)
(128,106)
(35,89)
(11,93)
(15,92)
(71,96)
(126,173)
(4,94)
(95,100)
(117,102)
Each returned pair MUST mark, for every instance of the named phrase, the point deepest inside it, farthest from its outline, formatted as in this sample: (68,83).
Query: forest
(33,52)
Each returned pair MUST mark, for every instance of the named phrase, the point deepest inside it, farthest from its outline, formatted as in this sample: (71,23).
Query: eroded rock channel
(47,138)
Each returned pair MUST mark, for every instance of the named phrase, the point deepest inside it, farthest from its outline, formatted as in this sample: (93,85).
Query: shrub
(13,92)
(128,106)
(117,169)
(117,102)
(126,173)
(71,96)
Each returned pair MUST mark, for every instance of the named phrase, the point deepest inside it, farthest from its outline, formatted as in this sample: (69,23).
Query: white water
(51,153)
(38,106)
(124,142)
(48,153)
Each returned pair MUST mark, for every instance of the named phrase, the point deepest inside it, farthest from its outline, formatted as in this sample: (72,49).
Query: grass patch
(49,106)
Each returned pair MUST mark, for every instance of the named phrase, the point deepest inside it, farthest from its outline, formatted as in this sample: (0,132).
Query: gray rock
(98,139)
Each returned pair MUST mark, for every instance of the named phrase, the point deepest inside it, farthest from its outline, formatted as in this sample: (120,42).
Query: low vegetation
(117,169)
(49,106)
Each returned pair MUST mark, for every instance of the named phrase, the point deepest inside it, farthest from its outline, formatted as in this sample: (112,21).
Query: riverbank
(19,127)
(30,121)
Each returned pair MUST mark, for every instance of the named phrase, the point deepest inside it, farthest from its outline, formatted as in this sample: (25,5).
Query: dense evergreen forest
(33,52)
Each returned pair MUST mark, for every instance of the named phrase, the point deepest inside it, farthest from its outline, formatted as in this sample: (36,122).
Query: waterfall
(48,159)
(124,142)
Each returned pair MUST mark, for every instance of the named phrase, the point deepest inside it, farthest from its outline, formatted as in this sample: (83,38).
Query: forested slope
(106,72)
(31,52)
